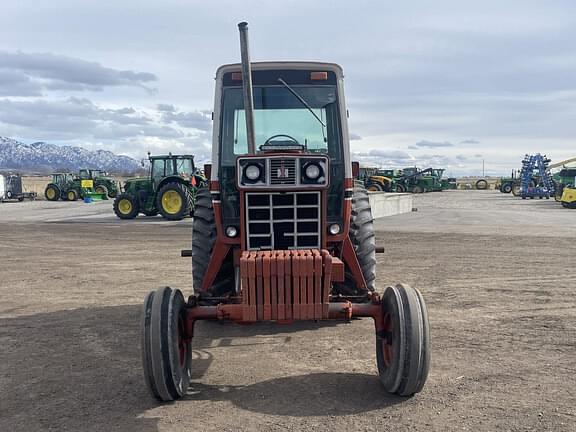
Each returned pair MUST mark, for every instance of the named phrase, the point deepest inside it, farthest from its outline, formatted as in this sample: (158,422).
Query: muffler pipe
(247,87)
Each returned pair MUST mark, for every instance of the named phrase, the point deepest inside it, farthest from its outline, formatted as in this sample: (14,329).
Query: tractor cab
(162,167)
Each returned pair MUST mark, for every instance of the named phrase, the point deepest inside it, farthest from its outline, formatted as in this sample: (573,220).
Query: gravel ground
(496,272)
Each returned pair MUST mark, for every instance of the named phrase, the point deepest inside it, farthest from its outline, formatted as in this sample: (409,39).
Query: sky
(445,83)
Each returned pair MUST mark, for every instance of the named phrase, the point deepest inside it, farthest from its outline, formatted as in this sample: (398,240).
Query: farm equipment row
(92,184)
(410,179)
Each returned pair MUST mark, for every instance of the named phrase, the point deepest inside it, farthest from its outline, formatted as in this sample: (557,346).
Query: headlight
(312,171)
(334,229)
(252,172)
(231,231)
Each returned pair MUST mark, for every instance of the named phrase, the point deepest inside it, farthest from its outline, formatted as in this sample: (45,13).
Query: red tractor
(283,233)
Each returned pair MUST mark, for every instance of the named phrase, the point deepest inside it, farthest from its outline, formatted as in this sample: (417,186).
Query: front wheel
(506,188)
(166,348)
(101,189)
(481,184)
(72,195)
(400,188)
(374,187)
(125,206)
(403,341)
(417,190)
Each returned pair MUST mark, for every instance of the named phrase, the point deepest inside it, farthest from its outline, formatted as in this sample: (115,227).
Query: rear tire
(417,190)
(166,352)
(174,201)
(403,343)
(361,235)
(52,192)
(126,206)
(481,184)
(203,240)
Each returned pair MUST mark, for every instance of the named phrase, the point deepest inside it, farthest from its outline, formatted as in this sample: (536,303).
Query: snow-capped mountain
(44,157)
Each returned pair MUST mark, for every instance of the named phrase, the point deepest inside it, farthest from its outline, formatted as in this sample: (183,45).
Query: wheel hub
(171,202)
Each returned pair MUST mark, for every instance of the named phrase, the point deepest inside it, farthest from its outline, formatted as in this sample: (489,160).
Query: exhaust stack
(247,87)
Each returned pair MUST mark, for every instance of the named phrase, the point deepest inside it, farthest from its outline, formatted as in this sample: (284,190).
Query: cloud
(432,144)
(354,137)
(470,141)
(200,120)
(47,71)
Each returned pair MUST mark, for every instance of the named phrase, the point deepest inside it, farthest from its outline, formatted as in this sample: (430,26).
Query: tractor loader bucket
(94,196)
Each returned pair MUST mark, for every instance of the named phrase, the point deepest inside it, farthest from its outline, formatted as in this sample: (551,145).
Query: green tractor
(170,189)
(103,183)
(67,187)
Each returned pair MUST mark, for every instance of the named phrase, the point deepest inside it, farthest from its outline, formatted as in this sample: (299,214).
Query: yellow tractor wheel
(174,201)
(72,195)
(126,206)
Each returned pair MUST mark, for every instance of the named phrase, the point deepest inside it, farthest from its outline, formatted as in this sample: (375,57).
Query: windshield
(278,112)
(184,166)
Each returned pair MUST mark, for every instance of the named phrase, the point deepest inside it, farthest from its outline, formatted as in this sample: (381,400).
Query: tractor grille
(282,171)
(289,220)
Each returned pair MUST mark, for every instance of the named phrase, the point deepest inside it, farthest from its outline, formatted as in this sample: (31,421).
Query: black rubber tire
(101,189)
(374,187)
(185,195)
(481,184)
(417,190)
(9,194)
(72,195)
(203,239)
(56,192)
(166,359)
(404,368)
(400,188)
(134,210)
(506,188)
(361,235)
(516,190)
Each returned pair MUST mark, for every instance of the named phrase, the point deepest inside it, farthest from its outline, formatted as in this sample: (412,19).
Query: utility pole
(483,172)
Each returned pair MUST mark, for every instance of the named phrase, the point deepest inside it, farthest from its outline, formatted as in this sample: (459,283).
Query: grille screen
(283,220)
(283,171)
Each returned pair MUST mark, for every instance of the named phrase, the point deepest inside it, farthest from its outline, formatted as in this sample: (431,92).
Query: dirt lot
(497,273)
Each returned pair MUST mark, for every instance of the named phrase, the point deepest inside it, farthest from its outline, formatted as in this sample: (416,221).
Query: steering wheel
(291,138)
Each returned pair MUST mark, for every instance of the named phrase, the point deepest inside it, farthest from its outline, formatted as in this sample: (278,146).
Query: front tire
(52,192)
(126,206)
(72,195)
(101,189)
(374,187)
(174,201)
(506,188)
(417,190)
(403,342)
(166,349)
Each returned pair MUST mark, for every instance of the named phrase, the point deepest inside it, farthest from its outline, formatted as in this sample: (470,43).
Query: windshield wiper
(302,101)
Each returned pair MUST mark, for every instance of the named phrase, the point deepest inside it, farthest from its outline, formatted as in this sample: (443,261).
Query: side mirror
(355,169)
(208,171)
